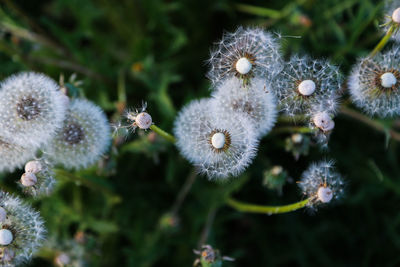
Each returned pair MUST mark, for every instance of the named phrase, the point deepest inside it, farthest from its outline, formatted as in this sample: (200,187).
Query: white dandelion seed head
(84,137)
(220,146)
(13,156)
(143,120)
(38,179)
(323,121)
(32,109)
(305,83)
(245,53)
(255,101)
(392,12)
(370,80)
(22,232)
(321,183)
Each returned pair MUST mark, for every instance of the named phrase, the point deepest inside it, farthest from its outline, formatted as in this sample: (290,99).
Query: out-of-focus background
(142,205)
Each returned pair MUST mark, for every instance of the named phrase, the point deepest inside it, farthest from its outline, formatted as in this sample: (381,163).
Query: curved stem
(245,207)
(163,133)
(384,41)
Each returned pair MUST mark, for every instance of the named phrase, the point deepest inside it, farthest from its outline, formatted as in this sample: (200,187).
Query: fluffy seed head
(323,121)
(84,137)
(13,156)
(245,53)
(6,237)
(22,231)
(33,166)
(256,102)
(3,214)
(220,146)
(307,87)
(321,184)
(28,179)
(374,85)
(143,120)
(31,109)
(306,84)
(396,15)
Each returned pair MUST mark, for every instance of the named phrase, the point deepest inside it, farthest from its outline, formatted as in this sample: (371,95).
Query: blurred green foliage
(143,205)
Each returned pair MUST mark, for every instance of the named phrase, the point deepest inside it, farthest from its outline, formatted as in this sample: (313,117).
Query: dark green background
(120,203)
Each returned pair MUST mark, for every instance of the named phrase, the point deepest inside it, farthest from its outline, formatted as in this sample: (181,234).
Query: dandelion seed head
(374,85)
(31,109)
(13,156)
(28,179)
(219,146)
(38,179)
(396,15)
(323,121)
(84,137)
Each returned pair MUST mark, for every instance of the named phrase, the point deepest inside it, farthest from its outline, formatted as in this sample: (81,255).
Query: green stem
(251,208)
(163,133)
(384,41)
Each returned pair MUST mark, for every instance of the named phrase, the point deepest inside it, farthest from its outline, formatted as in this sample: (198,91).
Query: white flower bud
(396,15)
(297,138)
(276,170)
(388,79)
(6,237)
(143,120)
(323,121)
(218,140)
(325,194)
(62,259)
(307,87)
(33,166)
(243,65)
(3,214)
(28,179)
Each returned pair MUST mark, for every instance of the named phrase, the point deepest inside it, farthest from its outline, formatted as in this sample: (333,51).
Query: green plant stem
(384,41)
(251,208)
(163,133)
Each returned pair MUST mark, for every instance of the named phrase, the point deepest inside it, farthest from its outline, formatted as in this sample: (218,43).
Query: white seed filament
(243,65)
(218,140)
(307,87)
(388,80)
(324,194)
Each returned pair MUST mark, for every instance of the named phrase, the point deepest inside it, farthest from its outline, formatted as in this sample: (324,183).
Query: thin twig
(207,227)
(183,192)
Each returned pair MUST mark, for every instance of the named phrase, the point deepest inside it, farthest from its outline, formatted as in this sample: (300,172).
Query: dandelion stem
(383,41)
(163,133)
(251,208)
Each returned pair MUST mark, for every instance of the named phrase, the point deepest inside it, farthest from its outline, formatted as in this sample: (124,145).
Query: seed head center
(243,65)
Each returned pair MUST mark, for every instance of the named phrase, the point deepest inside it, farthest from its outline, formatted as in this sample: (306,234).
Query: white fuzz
(7,255)
(245,53)
(243,65)
(256,102)
(323,121)
(33,166)
(143,120)
(22,232)
(388,80)
(305,84)
(321,184)
(3,214)
(373,83)
(13,156)
(324,194)
(84,137)
(396,15)
(28,179)
(31,109)
(195,127)
(218,140)
(39,179)
(6,237)
(307,87)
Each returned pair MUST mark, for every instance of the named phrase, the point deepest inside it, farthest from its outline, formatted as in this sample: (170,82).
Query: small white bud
(297,138)
(62,259)
(28,179)
(143,120)
(6,237)
(276,170)
(3,214)
(325,194)
(307,87)
(396,15)
(243,65)
(218,140)
(33,166)
(323,121)
(388,79)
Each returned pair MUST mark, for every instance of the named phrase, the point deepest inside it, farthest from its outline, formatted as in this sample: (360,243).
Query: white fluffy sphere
(388,80)
(143,120)
(325,194)
(6,237)
(218,140)
(243,65)
(307,87)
